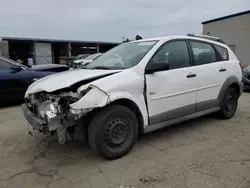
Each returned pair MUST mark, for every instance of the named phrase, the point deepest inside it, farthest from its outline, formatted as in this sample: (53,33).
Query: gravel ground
(203,153)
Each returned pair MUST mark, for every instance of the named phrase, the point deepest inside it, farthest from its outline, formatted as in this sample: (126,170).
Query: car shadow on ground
(8,104)
(78,150)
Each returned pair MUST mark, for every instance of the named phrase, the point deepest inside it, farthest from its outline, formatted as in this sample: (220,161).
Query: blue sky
(109,20)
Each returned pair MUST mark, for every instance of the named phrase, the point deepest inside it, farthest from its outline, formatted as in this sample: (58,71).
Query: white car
(82,62)
(155,83)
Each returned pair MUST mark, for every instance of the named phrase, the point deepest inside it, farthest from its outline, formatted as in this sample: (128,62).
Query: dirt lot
(198,154)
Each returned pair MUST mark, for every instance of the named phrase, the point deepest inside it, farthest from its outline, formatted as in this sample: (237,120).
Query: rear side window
(4,64)
(203,53)
(223,52)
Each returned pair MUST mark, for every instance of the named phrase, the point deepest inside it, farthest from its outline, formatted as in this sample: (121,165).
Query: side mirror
(156,67)
(15,69)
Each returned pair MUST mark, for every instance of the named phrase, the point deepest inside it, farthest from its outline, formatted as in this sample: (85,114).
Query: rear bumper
(33,119)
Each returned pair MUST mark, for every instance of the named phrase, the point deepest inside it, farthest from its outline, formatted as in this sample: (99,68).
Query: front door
(172,93)
(19,83)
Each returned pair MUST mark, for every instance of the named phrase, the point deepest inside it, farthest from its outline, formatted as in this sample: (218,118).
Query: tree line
(137,37)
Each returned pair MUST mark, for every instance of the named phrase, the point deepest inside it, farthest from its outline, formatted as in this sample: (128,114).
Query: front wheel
(113,131)
(229,104)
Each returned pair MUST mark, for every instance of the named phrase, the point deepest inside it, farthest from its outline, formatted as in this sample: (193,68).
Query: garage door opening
(60,52)
(21,50)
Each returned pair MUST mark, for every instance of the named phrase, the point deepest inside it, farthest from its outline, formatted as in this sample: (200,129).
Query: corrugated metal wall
(235,32)
(43,53)
(4,48)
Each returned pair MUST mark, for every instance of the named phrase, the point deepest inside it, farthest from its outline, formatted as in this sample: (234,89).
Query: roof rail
(217,39)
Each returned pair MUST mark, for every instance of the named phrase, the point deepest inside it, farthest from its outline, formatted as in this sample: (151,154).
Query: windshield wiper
(101,67)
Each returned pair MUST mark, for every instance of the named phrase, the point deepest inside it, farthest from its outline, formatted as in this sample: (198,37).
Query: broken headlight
(54,108)
(48,109)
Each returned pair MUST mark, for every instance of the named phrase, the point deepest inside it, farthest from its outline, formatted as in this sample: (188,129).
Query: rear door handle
(191,75)
(223,70)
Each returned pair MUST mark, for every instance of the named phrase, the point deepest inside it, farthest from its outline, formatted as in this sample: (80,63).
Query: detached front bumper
(33,119)
(61,127)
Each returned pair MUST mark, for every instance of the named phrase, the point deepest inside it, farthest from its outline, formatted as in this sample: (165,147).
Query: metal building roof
(57,40)
(226,17)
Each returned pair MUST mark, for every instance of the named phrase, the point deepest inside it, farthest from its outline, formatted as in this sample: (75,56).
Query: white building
(235,31)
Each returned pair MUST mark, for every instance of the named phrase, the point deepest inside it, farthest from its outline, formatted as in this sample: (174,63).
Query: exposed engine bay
(53,109)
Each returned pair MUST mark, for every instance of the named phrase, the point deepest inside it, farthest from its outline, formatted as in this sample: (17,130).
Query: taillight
(242,66)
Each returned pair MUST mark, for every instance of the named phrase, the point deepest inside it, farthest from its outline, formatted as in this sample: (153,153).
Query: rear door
(211,73)
(227,66)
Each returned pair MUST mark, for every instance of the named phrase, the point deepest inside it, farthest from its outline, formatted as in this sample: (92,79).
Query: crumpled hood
(65,79)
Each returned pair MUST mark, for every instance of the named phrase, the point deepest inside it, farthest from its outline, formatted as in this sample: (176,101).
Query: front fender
(97,97)
(137,99)
(94,98)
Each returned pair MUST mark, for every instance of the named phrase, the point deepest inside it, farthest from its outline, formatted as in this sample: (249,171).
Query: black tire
(113,131)
(228,104)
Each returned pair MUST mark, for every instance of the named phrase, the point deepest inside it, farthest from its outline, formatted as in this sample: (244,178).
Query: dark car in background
(246,78)
(15,78)
(50,67)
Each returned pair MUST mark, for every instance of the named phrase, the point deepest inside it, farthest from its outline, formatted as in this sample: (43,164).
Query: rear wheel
(113,131)
(229,104)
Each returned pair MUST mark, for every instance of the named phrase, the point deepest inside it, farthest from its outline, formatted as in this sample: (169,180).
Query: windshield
(92,56)
(123,56)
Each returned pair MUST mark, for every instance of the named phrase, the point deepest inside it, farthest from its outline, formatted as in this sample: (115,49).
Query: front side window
(5,64)
(122,56)
(223,52)
(203,53)
(175,54)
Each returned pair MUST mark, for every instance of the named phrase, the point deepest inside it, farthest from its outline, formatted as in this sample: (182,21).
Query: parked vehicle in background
(82,62)
(70,60)
(15,78)
(50,67)
(137,87)
(82,56)
(246,78)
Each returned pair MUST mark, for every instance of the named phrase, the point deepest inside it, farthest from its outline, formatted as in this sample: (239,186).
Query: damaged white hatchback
(134,88)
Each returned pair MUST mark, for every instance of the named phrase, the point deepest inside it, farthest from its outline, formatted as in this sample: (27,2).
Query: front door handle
(191,75)
(222,70)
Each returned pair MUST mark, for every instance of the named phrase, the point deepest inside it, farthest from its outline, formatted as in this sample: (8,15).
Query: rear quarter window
(223,52)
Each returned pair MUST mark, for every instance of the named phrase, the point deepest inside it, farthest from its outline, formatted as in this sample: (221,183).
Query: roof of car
(170,37)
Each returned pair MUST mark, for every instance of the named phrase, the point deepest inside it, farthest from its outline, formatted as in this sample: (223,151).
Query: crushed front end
(51,113)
